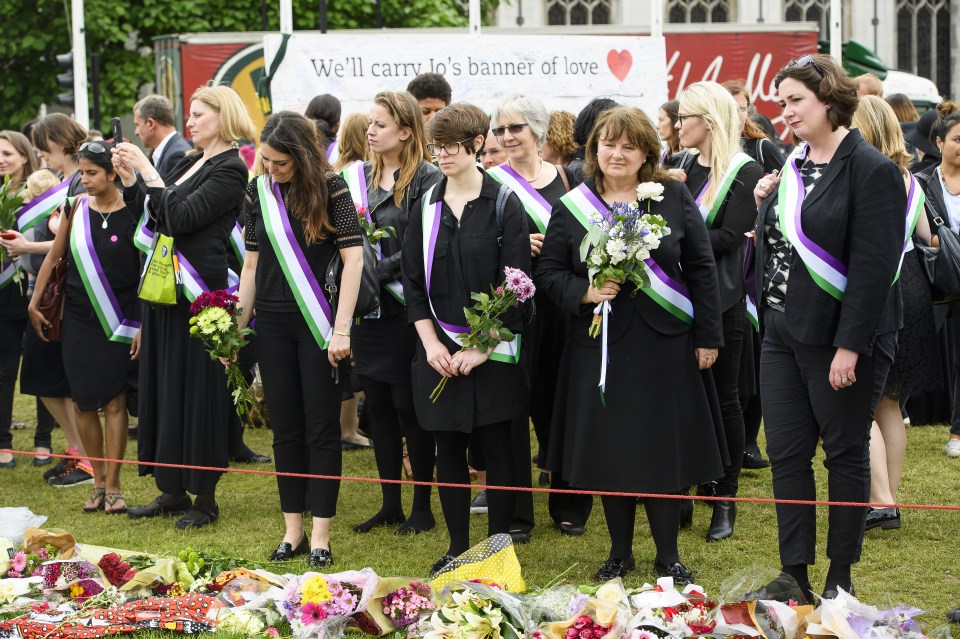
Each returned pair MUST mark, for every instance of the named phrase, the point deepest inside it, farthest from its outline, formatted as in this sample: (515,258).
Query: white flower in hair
(650,191)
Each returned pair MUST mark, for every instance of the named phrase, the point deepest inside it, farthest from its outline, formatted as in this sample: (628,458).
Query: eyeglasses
(806,61)
(93,147)
(680,118)
(452,148)
(745,109)
(514,129)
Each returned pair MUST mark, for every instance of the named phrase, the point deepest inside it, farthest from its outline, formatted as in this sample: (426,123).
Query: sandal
(111,499)
(97,497)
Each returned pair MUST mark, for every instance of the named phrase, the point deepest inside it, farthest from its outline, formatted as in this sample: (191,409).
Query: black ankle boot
(721,524)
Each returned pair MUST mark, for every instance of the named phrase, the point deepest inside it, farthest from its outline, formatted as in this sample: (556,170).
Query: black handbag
(942,265)
(368,298)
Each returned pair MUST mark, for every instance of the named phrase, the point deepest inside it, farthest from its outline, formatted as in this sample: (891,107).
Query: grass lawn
(917,564)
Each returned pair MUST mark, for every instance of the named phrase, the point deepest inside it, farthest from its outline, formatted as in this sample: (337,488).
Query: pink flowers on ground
(312,613)
(585,628)
(404,605)
(19,562)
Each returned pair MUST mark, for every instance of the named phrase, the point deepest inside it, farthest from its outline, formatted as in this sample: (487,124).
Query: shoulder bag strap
(563,177)
(502,194)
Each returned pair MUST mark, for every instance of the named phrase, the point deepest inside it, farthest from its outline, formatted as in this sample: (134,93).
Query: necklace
(103,216)
(946,187)
(536,177)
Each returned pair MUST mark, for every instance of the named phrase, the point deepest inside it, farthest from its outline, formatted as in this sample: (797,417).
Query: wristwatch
(152,178)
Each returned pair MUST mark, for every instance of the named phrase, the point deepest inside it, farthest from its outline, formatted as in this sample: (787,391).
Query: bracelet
(341,333)
(154,178)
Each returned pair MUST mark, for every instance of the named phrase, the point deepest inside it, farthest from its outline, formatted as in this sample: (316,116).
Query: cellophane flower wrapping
(662,610)
(552,604)
(322,605)
(845,617)
(599,615)
(471,610)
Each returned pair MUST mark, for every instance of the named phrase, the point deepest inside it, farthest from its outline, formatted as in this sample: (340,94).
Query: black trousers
(11,340)
(953,326)
(452,468)
(800,408)
(726,375)
(303,398)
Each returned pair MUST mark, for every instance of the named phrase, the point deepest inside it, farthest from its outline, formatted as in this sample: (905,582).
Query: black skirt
(184,403)
(42,373)
(383,348)
(97,368)
(660,430)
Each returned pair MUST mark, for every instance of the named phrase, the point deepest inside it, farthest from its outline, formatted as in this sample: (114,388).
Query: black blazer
(855,212)
(684,255)
(200,213)
(173,152)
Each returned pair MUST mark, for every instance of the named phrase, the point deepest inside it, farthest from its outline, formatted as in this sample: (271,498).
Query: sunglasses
(512,128)
(806,61)
(93,147)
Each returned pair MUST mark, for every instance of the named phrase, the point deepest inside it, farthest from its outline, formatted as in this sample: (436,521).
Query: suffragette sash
(533,203)
(915,201)
(709,213)
(669,294)
(7,270)
(42,206)
(102,297)
(303,283)
(507,352)
(357,183)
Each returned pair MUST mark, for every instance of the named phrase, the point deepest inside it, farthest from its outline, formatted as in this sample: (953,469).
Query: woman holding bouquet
(184,401)
(520,125)
(389,189)
(722,177)
(101,318)
(298,216)
(829,244)
(653,429)
(459,244)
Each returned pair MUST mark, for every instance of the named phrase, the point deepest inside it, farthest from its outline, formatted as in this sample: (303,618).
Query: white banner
(565,72)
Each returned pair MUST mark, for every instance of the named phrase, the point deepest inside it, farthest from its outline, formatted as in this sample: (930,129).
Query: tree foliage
(34,32)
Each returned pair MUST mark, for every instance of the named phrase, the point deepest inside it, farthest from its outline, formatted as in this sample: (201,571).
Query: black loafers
(681,574)
(253,458)
(573,530)
(286,552)
(520,536)
(884,518)
(158,507)
(441,564)
(613,568)
(320,558)
(198,517)
(754,461)
(832,592)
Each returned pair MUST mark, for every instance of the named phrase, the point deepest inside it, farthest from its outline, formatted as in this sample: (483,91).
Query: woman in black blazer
(184,401)
(658,429)
(829,242)
(721,177)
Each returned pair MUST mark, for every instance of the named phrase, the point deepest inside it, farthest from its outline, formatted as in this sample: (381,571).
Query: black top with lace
(273,291)
(776,271)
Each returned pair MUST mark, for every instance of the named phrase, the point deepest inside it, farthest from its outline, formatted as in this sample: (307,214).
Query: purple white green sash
(752,315)
(507,352)
(102,298)
(826,270)
(915,201)
(236,242)
(709,213)
(533,203)
(310,298)
(356,180)
(333,152)
(191,281)
(7,271)
(669,294)
(42,206)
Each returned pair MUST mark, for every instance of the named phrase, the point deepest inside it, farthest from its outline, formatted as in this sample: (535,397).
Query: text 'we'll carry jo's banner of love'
(565,72)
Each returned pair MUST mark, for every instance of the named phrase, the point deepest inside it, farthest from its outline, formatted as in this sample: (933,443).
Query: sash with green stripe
(40,207)
(533,203)
(709,214)
(102,298)
(669,294)
(507,352)
(915,202)
(303,283)
(357,183)
(7,271)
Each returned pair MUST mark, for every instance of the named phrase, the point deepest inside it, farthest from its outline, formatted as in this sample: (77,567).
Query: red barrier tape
(564,491)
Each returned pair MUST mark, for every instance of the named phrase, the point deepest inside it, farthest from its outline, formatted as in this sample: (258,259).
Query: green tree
(122,34)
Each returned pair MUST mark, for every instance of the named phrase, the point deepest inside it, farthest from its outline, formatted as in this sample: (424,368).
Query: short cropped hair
(869,84)
(430,85)
(530,109)
(458,122)
(155,107)
(829,82)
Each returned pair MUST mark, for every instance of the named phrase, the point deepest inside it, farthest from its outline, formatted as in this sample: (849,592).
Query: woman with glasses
(721,178)
(829,242)
(654,429)
(183,398)
(520,124)
(387,190)
(458,244)
(101,318)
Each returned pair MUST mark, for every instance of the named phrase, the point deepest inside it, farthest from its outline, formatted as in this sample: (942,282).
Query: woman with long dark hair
(298,215)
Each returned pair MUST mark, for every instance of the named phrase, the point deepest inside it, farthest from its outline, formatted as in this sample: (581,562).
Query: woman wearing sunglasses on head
(101,317)
(829,243)
(520,125)
(458,244)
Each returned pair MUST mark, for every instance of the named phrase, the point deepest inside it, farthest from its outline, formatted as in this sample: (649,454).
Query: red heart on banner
(619,63)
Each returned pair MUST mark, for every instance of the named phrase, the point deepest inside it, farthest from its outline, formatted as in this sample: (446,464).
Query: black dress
(184,401)
(97,368)
(660,429)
